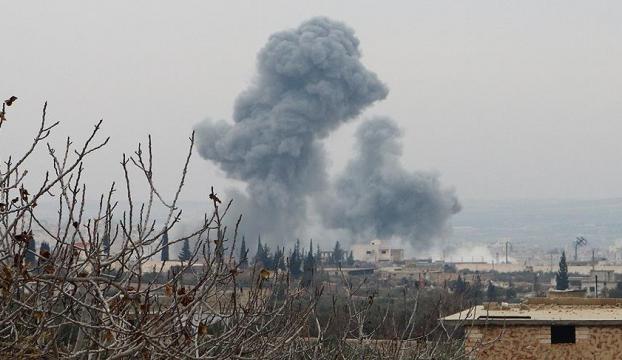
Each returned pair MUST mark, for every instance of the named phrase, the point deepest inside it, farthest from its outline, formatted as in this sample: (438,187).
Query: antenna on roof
(579,241)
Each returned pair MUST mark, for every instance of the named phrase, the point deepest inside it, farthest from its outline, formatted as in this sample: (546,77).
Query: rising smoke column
(309,81)
(376,198)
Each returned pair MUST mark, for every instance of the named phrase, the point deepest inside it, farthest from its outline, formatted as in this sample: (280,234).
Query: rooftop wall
(566,293)
(534,342)
(573,301)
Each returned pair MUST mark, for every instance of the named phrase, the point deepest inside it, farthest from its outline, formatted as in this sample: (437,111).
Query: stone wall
(575,293)
(534,342)
(575,301)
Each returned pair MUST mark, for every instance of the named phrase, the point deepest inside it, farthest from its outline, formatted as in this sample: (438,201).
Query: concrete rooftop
(543,311)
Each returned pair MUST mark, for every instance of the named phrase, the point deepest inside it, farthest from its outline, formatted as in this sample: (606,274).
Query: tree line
(296,260)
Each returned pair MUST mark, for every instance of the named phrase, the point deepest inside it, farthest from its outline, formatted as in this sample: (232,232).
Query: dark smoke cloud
(309,81)
(376,198)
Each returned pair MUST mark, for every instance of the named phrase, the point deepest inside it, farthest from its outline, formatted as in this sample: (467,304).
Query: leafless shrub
(96,293)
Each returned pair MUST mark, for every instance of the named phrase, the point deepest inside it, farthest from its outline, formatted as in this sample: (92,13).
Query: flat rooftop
(543,311)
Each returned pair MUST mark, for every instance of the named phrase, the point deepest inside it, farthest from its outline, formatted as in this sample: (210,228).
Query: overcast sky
(505,99)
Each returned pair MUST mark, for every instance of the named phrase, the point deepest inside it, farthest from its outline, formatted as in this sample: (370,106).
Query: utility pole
(507,243)
(593,259)
(580,241)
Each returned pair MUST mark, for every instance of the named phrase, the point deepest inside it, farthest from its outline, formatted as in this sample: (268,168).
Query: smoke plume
(309,81)
(376,198)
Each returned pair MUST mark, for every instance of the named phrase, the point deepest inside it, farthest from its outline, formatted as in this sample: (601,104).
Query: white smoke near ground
(309,82)
(469,253)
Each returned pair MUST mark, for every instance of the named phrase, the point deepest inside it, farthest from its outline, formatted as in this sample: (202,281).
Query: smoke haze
(309,81)
(376,198)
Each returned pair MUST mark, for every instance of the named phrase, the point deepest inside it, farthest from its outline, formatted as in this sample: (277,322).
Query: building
(377,252)
(349,271)
(596,283)
(543,328)
(423,275)
(326,257)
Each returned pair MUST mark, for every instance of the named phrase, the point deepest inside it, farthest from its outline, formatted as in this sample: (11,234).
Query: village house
(596,283)
(543,328)
(377,252)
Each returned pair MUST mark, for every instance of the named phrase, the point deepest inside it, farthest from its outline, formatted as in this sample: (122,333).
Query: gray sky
(505,99)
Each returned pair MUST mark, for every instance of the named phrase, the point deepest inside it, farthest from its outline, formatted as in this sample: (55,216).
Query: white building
(597,281)
(376,252)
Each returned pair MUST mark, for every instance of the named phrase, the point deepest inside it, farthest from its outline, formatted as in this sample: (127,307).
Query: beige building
(376,252)
(597,281)
(543,328)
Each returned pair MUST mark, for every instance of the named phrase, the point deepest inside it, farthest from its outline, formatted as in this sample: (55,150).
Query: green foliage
(295,260)
(459,286)
(263,255)
(31,252)
(164,256)
(510,293)
(44,247)
(267,260)
(185,254)
(350,259)
(491,292)
(243,254)
(338,254)
(259,255)
(106,244)
(308,267)
(475,291)
(278,260)
(561,277)
(318,255)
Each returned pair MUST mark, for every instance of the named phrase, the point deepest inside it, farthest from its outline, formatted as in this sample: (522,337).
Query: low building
(164,266)
(597,282)
(429,276)
(326,257)
(348,271)
(377,252)
(543,328)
